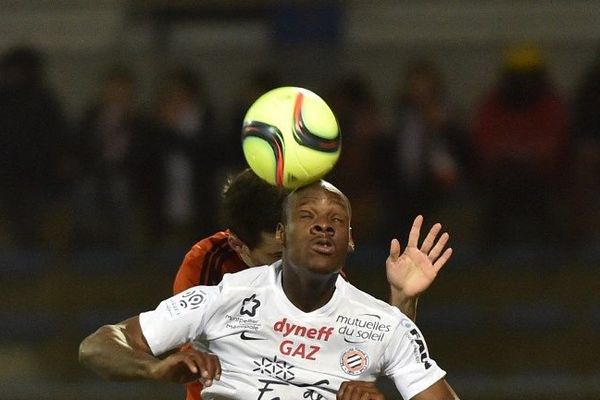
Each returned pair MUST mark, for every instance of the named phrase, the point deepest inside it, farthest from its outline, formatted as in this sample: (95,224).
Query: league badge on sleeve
(185,302)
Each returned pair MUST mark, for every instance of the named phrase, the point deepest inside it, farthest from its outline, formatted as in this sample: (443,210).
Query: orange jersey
(205,264)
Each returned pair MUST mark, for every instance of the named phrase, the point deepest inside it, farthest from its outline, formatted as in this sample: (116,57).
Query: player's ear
(350,241)
(236,244)
(280,233)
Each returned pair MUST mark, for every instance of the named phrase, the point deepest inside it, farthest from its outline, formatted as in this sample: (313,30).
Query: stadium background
(523,324)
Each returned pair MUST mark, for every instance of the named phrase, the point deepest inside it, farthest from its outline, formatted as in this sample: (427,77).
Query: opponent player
(251,210)
(293,329)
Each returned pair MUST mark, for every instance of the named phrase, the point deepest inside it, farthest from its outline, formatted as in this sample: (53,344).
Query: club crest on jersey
(354,361)
(250,305)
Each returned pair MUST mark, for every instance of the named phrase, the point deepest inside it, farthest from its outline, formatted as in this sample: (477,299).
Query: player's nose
(322,228)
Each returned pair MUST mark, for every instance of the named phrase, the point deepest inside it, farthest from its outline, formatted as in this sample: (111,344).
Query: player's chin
(325,266)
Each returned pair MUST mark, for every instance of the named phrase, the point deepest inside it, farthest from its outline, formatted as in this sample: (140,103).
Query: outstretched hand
(411,272)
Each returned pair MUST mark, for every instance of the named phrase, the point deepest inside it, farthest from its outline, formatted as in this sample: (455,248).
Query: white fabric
(268,348)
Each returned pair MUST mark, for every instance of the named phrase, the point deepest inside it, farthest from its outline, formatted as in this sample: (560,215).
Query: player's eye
(305,215)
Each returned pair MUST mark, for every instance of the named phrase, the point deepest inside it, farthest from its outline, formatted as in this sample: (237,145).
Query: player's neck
(307,291)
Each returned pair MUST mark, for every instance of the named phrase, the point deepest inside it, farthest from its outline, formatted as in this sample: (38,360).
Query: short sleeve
(407,361)
(179,319)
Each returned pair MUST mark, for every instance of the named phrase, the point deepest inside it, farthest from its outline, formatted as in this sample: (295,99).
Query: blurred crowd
(134,172)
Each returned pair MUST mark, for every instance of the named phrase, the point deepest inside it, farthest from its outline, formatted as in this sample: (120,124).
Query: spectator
(520,137)
(104,146)
(428,144)
(180,195)
(32,139)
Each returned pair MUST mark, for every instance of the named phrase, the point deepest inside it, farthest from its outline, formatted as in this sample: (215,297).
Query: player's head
(251,211)
(315,228)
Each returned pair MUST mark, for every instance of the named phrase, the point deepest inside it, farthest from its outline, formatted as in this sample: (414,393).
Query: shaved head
(317,185)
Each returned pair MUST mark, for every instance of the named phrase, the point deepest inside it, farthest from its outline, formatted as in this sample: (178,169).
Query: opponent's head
(251,209)
(315,228)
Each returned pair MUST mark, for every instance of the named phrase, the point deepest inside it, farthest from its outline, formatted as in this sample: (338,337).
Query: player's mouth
(323,246)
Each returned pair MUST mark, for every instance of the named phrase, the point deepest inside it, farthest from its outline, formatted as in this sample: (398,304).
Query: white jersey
(269,349)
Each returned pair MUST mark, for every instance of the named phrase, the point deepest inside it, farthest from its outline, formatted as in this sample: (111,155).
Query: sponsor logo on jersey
(286,328)
(354,361)
(185,302)
(250,305)
(278,379)
(245,336)
(420,349)
(418,343)
(361,328)
(298,347)
(236,322)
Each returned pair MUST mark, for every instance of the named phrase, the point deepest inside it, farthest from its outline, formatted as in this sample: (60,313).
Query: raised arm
(120,352)
(410,273)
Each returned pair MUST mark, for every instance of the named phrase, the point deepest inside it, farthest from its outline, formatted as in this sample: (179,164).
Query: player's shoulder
(216,240)
(365,302)
(217,243)
(251,277)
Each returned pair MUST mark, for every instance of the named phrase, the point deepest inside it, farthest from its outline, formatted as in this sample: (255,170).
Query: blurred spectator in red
(104,148)
(32,143)
(428,144)
(179,186)
(585,186)
(520,138)
(361,168)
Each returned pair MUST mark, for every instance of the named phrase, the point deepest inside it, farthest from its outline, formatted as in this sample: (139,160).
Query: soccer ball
(290,137)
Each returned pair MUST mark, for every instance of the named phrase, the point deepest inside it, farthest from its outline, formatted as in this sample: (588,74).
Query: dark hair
(251,206)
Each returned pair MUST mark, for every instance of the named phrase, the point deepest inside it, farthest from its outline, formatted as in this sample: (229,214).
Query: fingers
(430,238)
(359,390)
(394,249)
(413,236)
(203,366)
(439,263)
(430,247)
(439,246)
(210,368)
(191,364)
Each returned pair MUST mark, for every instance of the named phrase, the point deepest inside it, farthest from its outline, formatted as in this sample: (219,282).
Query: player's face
(317,231)
(268,250)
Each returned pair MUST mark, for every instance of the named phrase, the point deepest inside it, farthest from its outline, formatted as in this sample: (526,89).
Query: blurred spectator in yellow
(104,147)
(520,136)
(181,191)
(32,143)
(428,144)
